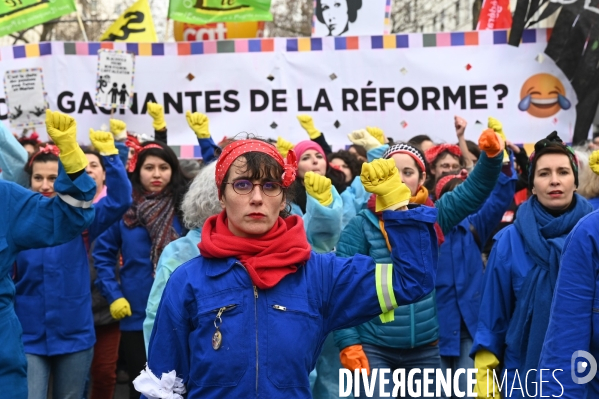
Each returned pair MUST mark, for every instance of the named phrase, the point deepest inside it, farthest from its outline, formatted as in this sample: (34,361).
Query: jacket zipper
(256,323)
(223,309)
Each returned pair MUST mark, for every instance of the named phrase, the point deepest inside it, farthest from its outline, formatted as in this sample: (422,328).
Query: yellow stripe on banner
(145,48)
(304,44)
(389,41)
(32,50)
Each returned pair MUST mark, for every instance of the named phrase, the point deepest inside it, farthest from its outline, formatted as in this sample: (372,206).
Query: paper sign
(114,80)
(25,97)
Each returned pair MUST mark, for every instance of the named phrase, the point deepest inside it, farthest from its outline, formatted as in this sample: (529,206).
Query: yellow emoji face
(543,95)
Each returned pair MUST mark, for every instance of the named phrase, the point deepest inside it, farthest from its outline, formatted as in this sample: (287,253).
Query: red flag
(495,14)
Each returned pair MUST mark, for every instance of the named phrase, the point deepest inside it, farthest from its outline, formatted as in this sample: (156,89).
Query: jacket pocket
(75,318)
(30,310)
(225,365)
(294,328)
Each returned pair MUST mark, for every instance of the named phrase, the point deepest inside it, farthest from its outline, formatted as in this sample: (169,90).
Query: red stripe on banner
(471,38)
(184,48)
(268,45)
(107,45)
(352,43)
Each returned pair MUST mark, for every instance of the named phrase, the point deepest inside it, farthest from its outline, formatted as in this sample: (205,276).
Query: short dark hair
(38,158)
(417,141)
(352,10)
(473,148)
(92,151)
(355,166)
(360,150)
(179,181)
(261,166)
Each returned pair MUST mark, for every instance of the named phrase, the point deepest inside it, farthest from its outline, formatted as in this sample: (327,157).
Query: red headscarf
(280,251)
(47,149)
(433,153)
(446,179)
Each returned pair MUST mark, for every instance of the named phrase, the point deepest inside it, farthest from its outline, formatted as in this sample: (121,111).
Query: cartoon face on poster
(25,97)
(351,17)
(114,82)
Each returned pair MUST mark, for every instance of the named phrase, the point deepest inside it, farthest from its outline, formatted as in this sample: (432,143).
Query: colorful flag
(16,15)
(201,12)
(134,25)
(495,14)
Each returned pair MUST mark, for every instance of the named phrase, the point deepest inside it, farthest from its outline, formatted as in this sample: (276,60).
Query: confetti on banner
(369,83)
(468,67)
(333,76)
(337,124)
(403,71)
(190,77)
(274,125)
(404,124)
(540,58)
(478,123)
(271,78)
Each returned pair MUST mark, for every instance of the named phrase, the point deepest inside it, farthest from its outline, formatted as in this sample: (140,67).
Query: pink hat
(306,145)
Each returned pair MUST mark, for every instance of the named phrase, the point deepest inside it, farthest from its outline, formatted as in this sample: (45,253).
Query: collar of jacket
(217,267)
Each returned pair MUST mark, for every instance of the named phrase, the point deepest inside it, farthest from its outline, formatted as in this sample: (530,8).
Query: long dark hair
(177,187)
(355,166)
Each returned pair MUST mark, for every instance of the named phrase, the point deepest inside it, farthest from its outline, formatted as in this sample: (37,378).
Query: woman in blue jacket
(30,220)
(408,338)
(53,302)
(252,312)
(148,226)
(522,272)
(460,276)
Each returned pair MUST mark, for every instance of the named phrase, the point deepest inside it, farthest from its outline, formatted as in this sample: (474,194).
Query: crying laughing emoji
(543,95)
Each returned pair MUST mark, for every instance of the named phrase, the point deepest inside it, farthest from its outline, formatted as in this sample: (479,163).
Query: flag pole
(81,26)
(166,30)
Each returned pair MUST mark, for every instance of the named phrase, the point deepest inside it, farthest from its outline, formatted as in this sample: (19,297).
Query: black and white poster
(25,97)
(351,17)
(114,81)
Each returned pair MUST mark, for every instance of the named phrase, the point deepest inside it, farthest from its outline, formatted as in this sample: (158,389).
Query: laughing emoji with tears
(543,95)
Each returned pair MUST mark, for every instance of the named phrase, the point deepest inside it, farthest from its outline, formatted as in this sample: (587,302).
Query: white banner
(405,84)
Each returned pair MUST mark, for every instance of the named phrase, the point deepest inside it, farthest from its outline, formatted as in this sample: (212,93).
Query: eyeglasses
(244,187)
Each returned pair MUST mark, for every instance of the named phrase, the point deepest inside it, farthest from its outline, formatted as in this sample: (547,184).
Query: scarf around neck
(543,236)
(267,259)
(155,212)
(421,198)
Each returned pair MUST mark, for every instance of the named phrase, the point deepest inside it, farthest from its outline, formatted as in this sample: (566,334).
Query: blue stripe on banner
(529,36)
(197,151)
(93,48)
(403,41)
(340,43)
(377,42)
(197,48)
(316,44)
(133,48)
(45,48)
(457,39)
(291,44)
(254,45)
(19,52)
(157,48)
(500,37)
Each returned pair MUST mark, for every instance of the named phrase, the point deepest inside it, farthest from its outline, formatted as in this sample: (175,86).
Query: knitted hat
(548,145)
(433,153)
(306,145)
(409,150)
(446,179)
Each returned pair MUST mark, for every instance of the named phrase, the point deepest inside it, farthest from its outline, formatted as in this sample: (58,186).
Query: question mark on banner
(503,92)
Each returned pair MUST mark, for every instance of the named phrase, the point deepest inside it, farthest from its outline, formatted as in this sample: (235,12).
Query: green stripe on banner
(429,40)
(70,49)
(176,149)
(225,46)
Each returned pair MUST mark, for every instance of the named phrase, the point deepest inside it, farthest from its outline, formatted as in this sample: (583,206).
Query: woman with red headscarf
(251,313)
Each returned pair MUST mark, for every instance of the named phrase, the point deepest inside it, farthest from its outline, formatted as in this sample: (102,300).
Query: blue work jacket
(137,273)
(272,338)
(53,296)
(30,220)
(460,273)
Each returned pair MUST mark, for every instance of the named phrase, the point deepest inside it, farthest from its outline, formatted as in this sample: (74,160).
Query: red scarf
(422,198)
(267,259)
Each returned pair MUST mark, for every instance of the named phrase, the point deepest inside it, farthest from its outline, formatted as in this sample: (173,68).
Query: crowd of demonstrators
(271,265)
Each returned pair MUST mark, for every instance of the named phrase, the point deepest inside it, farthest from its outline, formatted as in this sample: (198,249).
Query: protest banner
(405,84)
(16,15)
(25,97)
(114,84)
(201,12)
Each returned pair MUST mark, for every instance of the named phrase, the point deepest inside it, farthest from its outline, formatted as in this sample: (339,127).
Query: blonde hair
(588,182)
(201,200)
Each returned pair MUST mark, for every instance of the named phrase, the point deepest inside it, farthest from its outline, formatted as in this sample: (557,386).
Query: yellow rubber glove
(319,187)
(308,125)
(382,178)
(377,134)
(498,127)
(363,138)
(283,146)
(199,124)
(353,357)
(120,308)
(157,113)
(485,361)
(594,161)
(103,142)
(62,129)
(118,129)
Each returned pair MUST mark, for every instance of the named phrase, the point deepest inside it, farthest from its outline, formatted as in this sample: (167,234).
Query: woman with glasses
(153,221)
(250,314)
